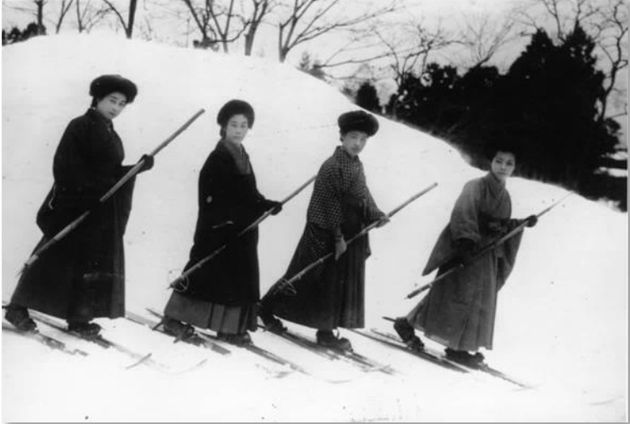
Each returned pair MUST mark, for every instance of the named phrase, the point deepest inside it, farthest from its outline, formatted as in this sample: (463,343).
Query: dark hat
(106,84)
(235,107)
(495,145)
(357,120)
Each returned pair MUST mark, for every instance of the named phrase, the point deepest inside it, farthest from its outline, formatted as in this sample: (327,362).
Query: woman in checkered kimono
(332,294)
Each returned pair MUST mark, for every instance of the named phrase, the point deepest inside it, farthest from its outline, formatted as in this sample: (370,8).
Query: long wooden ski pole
(361,233)
(487,248)
(180,282)
(130,174)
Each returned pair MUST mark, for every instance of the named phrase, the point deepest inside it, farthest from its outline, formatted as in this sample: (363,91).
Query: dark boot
(84,329)
(240,339)
(18,316)
(178,329)
(271,323)
(463,357)
(406,333)
(327,338)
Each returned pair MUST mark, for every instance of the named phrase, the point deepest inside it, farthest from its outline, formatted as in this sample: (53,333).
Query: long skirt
(459,311)
(332,294)
(83,276)
(216,317)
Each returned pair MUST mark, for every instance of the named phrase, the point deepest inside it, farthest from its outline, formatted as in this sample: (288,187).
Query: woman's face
(353,142)
(111,105)
(236,129)
(502,165)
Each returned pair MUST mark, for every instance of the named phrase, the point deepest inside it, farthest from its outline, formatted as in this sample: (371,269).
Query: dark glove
(465,249)
(148,162)
(226,230)
(282,286)
(498,226)
(531,221)
(94,204)
(384,219)
(275,207)
(340,247)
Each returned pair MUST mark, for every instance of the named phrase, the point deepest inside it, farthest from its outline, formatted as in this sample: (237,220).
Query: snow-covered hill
(562,318)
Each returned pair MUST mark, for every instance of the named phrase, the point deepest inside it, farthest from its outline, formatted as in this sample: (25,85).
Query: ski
(302,342)
(483,367)
(45,339)
(99,340)
(363,362)
(263,353)
(195,340)
(385,339)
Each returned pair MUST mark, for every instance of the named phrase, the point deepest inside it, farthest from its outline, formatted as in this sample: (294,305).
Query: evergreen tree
(367,98)
(546,105)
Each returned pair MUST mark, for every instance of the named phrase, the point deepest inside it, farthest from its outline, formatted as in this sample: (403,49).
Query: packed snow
(562,317)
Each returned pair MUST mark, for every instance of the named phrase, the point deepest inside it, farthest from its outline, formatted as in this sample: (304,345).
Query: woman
(459,311)
(223,294)
(331,295)
(83,276)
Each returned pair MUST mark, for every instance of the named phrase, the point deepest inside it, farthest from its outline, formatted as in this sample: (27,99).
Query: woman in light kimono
(459,311)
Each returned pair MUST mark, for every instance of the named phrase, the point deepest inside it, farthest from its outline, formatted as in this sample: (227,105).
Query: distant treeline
(15,34)
(545,105)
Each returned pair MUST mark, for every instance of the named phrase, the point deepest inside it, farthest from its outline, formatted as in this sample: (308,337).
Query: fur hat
(500,143)
(357,120)
(106,84)
(235,107)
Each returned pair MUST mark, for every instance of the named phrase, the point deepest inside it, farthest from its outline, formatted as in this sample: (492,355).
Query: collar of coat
(343,156)
(95,115)
(237,153)
(496,186)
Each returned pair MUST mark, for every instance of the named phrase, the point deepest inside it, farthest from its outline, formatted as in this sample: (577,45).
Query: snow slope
(562,319)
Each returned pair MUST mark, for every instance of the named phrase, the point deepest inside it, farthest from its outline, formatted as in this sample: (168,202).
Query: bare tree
(606,21)
(202,18)
(41,29)
(482,35)
(260,9)
(63,10)
(218,22)
(131,16)
(410,50)
(612,39)
(305,20)
(87,15)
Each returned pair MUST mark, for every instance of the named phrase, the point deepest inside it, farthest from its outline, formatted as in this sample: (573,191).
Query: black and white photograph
(314,210)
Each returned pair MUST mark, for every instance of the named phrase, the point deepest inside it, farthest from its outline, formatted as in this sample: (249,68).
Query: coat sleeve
(334,187)
(226,196)
(464,223)
(73,164)
(212,189)
(372,212)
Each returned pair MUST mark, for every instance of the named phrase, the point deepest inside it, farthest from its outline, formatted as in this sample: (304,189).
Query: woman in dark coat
(223,294)
(459,311)
(83,276)
(332,294)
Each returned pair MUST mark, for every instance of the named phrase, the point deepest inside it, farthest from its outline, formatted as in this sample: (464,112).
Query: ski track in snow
(561,322)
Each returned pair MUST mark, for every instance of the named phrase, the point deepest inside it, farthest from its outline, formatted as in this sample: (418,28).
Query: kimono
(83,276)
(332,294)
(223,294)
(459,311)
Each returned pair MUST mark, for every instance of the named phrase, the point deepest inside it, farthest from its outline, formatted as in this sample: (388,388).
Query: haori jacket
(332,294)
(82,276)
(228,201)
(340,185)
